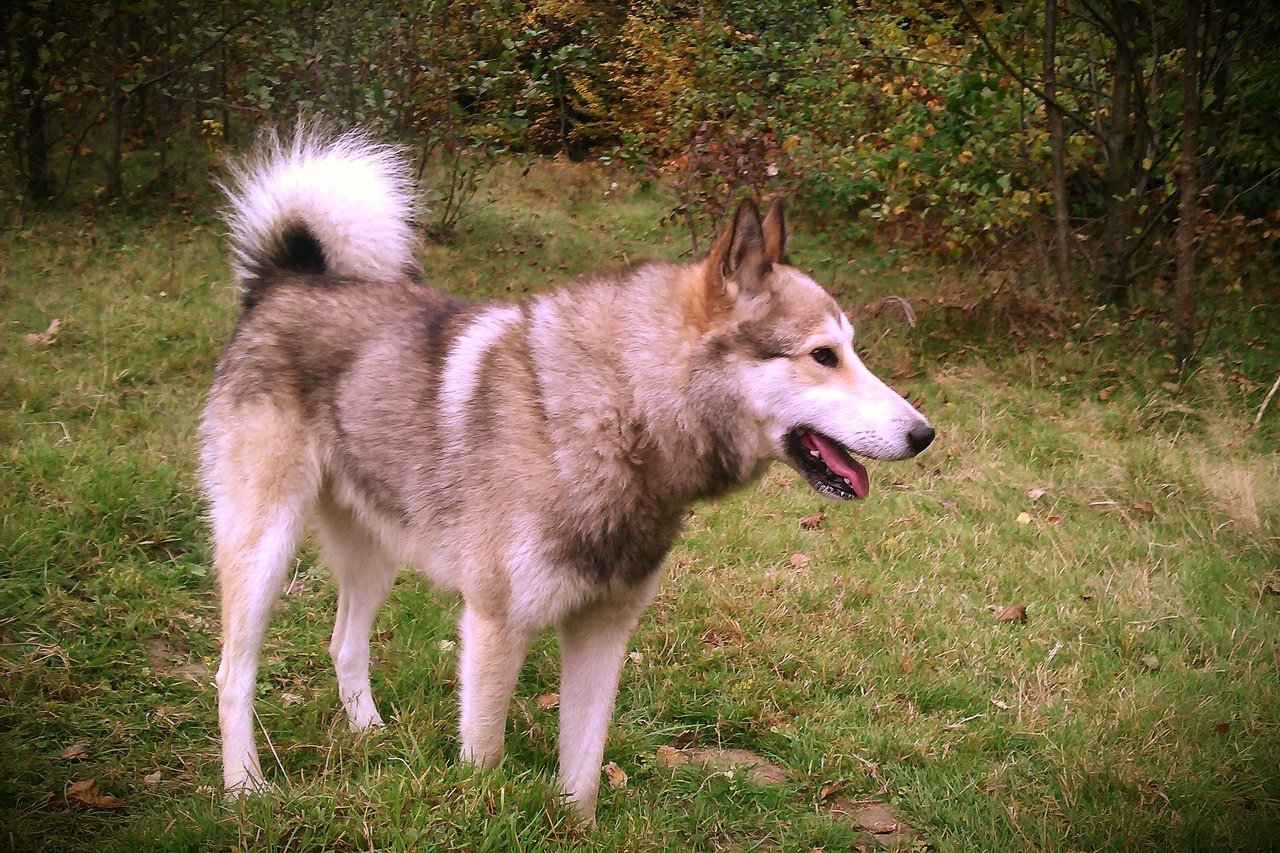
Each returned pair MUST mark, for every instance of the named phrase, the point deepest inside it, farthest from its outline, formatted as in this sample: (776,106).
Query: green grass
(1137,708)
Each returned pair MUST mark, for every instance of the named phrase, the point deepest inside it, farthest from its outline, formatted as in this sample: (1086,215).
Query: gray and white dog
(534,457)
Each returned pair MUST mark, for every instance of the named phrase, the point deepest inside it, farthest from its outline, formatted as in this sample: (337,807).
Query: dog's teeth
(815,454)
(846,482)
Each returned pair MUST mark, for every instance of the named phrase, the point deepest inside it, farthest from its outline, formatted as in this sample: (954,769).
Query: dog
(535,457)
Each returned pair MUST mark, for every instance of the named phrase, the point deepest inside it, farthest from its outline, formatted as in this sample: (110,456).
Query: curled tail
(321,202)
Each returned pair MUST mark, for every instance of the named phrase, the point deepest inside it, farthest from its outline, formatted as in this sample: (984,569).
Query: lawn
(858,649)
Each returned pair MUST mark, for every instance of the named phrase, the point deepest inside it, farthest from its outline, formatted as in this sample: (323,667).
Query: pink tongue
(839,461)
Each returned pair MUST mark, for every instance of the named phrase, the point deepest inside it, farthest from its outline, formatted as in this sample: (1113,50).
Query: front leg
(593,644)
(491,655)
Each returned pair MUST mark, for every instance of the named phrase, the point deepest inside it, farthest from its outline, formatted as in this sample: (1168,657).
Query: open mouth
(826,464)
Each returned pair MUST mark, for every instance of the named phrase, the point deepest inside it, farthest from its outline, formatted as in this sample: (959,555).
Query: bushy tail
(318,201)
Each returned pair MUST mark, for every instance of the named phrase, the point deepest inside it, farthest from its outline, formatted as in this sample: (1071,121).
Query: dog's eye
(825,356)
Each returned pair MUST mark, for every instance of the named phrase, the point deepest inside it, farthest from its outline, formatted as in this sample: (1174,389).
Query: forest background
(1119,141)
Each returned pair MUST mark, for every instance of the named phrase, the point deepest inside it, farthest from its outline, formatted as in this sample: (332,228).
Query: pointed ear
(736,261)
(746,241)
(774,228)
(739,252)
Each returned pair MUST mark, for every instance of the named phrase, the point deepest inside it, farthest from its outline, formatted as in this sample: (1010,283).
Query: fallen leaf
(47,337)
(669,756)
(547,701)
(685,739)
(1012,613)
(167,660)
(289,699)
(193,671)
(828,789)
(1105,393)
(1035,494)
(151,778)
(1151,662)
(447,645)
(1220,728)
(1024,518)
(757,767)
(617,778)
(876,818)
(799,561)
(636,657)
(715,638)
(87,793)
(812,522)
(74,752)
(1054,519)
(1003,706)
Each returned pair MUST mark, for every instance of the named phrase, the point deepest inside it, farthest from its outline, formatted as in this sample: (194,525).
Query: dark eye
(825,356)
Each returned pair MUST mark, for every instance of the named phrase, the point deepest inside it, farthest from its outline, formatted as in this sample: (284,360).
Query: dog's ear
(737,261)
(775,233)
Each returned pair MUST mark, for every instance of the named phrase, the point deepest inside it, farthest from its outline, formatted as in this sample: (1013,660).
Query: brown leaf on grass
(1035,494)
(1054,519)
(886,829)
(829,789)
(813,522)
(799,561)
(685,739)
(1011,613)
(717,637)
(617,778)
(1221,728)
(85,792)
(288,700)
(547,701)
(74,752)
(47,337)
(669,756)
(151,779)
(166,660)
(758,768)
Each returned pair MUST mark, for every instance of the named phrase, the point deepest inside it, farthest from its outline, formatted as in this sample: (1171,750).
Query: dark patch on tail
(296,251)
(299,251)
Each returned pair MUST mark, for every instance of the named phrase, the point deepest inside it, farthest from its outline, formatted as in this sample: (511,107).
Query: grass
(1137,708)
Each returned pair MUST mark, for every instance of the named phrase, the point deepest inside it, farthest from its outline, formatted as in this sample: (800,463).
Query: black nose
(919,438)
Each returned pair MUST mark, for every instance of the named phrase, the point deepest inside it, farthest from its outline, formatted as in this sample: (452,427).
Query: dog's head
(790,346)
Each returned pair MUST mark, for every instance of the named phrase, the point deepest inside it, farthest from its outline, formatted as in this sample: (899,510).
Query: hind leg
(364,574)
(261,482)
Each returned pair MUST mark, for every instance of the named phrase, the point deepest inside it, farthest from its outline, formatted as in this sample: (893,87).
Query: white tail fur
(352,196)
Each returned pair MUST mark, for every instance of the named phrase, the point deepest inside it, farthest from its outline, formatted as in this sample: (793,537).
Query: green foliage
(887,122)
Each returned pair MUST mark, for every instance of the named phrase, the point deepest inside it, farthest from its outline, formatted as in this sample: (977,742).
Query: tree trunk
(1057,152)
(1188,191)
(115,139)
(35,147)
(1117,145)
